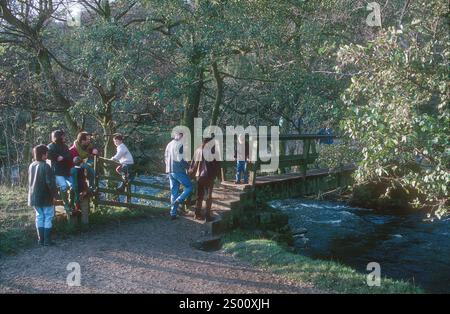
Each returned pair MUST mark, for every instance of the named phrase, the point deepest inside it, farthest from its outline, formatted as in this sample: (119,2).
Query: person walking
(205,173)
(176,167)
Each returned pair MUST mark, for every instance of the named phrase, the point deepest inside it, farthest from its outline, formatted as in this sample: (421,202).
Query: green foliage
(397,107)
(337,155)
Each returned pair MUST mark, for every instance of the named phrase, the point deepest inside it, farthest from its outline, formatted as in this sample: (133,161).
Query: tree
(397,106)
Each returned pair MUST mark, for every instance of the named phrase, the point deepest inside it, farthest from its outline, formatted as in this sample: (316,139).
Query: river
(406,246)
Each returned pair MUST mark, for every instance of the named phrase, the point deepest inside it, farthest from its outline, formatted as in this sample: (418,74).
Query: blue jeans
(44,216)
(63,183)
(241,166)
(177,178)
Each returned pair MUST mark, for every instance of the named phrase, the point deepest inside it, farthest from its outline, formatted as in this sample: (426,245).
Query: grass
(17,226)
(326,275)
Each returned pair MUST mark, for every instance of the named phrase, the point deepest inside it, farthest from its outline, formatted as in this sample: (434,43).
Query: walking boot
(47,237)
(198,214)
(40,231)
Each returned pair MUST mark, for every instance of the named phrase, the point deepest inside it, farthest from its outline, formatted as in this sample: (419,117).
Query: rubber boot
(40,235)
(47,236)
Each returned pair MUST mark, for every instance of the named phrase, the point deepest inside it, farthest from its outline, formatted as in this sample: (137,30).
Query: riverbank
(17,220)
(326,275)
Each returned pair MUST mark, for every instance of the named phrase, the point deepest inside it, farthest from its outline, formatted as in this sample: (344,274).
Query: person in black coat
(41,192)
(61,162)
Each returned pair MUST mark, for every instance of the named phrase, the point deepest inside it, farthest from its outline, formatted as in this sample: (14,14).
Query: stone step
(208,243)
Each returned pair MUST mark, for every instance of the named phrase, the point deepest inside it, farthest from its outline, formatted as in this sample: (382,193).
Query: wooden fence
(307,156)
(105,172)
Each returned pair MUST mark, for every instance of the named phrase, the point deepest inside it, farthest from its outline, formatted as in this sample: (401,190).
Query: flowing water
(406,246)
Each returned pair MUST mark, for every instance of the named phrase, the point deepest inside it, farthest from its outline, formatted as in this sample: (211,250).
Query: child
(41,192)
(124,157)
(80,191)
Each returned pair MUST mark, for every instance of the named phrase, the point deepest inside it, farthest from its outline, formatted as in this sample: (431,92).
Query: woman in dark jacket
(205,173)
(41,192)
(61,162)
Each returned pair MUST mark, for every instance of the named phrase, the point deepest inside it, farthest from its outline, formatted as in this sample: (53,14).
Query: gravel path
(146,256)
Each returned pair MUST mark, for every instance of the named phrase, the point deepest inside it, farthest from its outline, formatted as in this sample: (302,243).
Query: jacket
(174,158)
(239,155)
(202,168)
(60,168)
(83,152)
(79,185)
(41,185)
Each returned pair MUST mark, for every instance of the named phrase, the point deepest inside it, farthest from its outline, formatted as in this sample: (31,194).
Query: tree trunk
(192,98)
(108,131)
(219,94)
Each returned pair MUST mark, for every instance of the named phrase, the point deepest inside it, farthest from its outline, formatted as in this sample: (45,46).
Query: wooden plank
(128,205)
(136,195)
(108,161)
(151,185)
(136,183)
(293,137)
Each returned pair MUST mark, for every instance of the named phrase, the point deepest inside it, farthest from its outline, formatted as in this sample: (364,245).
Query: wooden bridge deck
(268,179)
(228,192)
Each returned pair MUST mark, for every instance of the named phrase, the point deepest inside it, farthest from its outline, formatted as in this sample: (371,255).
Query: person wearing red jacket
(83,148)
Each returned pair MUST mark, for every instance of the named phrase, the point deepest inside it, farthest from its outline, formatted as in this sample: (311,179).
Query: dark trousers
(204,192)
(127,173)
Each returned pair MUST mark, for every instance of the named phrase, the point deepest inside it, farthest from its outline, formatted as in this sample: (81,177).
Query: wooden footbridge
(293,179)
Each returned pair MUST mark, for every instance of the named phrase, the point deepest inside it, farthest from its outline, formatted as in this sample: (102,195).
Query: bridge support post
(95,196)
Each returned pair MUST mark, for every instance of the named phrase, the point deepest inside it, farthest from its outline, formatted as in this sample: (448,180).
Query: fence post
(95,196)
(223,172)
(128,190)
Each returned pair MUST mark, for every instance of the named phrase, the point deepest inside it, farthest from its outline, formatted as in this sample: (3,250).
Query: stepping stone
(299,231)
(208,244)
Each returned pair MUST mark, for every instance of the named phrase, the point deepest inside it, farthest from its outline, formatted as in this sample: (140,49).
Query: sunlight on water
(407,246)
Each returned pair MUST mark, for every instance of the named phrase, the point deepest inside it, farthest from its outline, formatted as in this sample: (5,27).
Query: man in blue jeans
(176,167)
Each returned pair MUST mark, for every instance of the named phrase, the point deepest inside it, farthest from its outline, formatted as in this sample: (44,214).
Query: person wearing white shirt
(124,157)
(176,168)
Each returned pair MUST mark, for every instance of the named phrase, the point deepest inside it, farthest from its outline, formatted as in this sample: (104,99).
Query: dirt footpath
(146,256)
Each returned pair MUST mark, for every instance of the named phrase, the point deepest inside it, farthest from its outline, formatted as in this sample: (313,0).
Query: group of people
(203,171)
(68,172)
